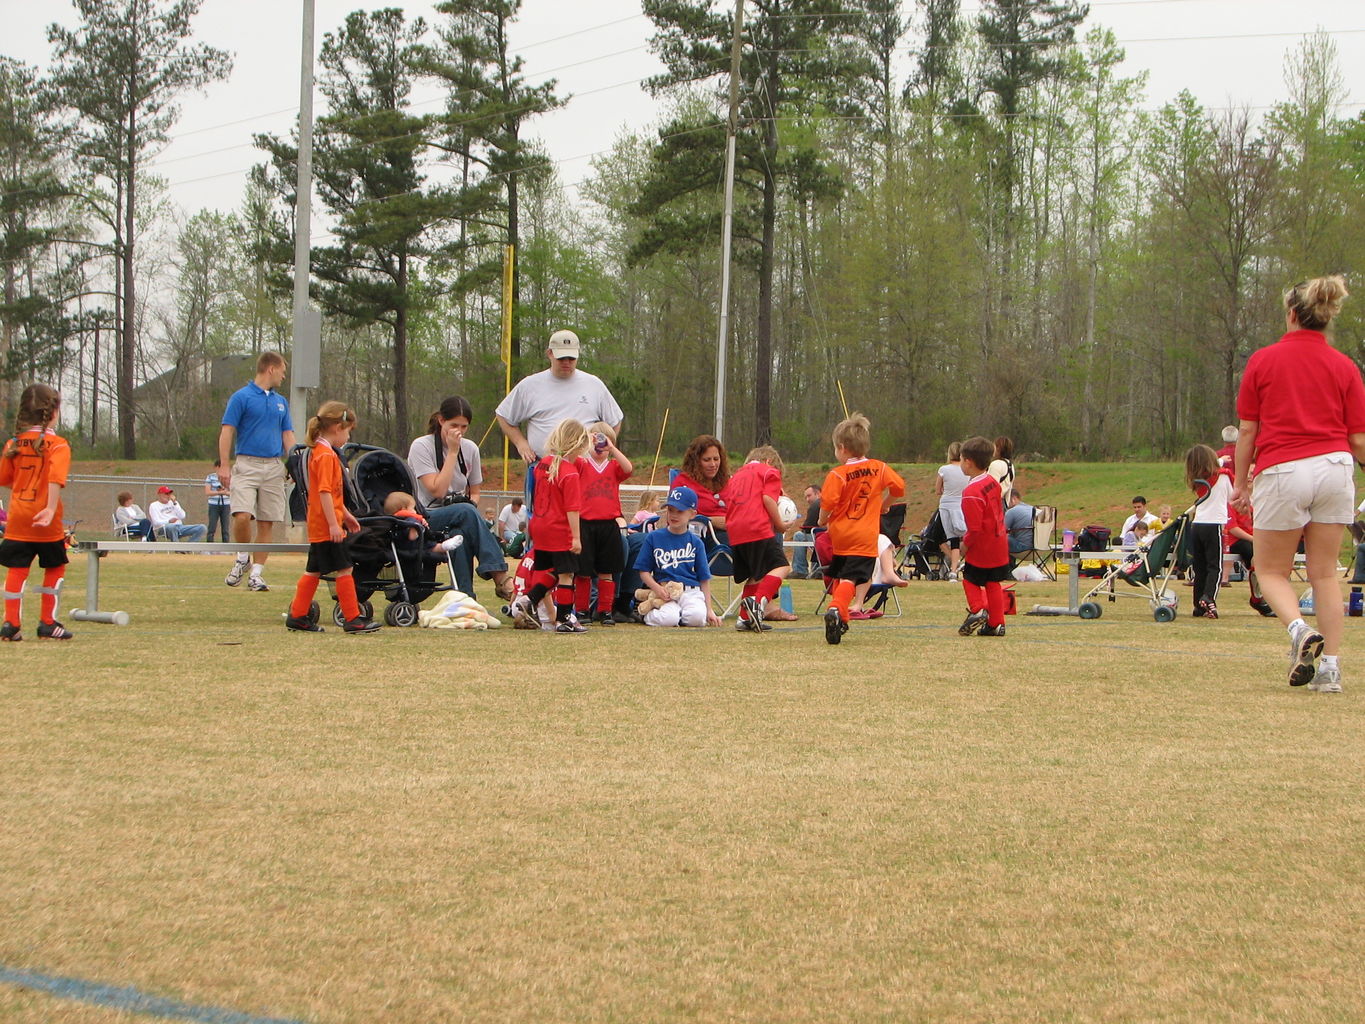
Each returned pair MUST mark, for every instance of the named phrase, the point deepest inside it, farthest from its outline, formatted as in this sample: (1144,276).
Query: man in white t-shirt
(539,403)
(1139,513)
(512,520)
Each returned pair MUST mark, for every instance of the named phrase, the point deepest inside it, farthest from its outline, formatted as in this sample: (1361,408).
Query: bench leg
(92,598)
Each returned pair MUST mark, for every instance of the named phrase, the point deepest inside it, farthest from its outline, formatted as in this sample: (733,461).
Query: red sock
(303,596)
(995,604)
(606,593)
(750,590)
(14,585)
(976,597)
(48,602)
(768,587)
(350,606)
(843,596)
(582,594)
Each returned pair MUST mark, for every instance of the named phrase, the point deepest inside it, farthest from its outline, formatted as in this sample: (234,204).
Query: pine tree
(121,71)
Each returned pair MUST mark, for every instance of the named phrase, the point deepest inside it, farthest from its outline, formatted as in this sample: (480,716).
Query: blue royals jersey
(674,556)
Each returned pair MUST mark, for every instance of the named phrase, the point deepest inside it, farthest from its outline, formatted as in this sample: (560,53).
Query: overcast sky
(1226,52)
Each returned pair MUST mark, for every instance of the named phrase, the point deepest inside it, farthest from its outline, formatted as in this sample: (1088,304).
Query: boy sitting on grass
(676,554)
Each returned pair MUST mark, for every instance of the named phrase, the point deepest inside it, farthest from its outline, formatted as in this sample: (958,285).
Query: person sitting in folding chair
(1019,524)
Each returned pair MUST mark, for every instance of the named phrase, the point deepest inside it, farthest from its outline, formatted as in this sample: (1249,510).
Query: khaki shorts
(1318,489)
(258,488)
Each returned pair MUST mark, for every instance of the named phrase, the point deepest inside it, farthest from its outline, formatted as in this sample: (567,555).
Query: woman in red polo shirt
(1302,411)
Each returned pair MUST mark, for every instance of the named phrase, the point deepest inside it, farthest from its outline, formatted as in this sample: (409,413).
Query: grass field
(1082,821)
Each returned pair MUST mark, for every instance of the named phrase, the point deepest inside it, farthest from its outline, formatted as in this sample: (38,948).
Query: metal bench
(96,549)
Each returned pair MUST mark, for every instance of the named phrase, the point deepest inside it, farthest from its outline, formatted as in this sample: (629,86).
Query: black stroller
(391,554)
(922,558)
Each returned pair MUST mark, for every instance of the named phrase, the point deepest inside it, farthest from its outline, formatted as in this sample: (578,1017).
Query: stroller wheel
(1090,610)
(366,610)
(400,613)
(1163,613)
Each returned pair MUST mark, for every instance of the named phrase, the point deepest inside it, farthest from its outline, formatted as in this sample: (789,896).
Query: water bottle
(784,596)
(1357,605)
(1306,602)
(1068,539)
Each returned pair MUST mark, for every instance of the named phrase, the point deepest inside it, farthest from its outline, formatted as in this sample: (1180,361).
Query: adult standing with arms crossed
(539,403)
(1302,411)
(257,417)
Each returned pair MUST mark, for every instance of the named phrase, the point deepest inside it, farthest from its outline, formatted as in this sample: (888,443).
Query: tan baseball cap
(563,344)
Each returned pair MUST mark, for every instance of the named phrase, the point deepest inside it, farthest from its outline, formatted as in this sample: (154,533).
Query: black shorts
(604,549)
(978,576)
(754,559)
(328,556)
(19,554)
(855,568)
(562,563)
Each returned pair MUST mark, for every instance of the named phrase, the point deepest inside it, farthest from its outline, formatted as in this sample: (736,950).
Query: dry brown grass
(1084,821)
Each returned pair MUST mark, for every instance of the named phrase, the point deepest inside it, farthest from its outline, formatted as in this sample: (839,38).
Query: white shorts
(952,520)
(688,610)
(1318,489)
(258,488)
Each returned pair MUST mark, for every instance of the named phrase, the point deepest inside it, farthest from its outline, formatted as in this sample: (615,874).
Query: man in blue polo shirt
(258,417)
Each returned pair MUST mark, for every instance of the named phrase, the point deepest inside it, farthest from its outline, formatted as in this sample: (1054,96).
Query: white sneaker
(236,573)
(1327,679)
(1305,646)
(257,583)
(522,613)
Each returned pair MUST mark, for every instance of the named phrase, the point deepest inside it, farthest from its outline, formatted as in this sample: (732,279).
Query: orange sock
(843,597)
(47,603)
(350,606)
(14,593)
(303,596)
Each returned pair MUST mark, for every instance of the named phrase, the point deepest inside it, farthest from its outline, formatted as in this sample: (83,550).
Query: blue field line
(129,1000)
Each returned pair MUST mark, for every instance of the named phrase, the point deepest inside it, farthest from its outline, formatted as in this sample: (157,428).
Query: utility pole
(305,365)
(727,224)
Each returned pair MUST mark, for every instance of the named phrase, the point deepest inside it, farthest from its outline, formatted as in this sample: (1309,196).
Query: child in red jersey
(985,545)
(329,522)
(600,473)
(34,465)
(754,525)
(555,529)
(851,504)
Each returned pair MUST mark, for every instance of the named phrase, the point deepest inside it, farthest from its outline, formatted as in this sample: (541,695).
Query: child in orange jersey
(34,465)
(851,505)
(329,521)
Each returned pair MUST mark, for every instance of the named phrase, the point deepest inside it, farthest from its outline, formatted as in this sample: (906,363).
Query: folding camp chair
(878,593)
(1044,553)
(719,557)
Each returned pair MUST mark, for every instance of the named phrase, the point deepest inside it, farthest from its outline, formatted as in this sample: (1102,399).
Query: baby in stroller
(402,505)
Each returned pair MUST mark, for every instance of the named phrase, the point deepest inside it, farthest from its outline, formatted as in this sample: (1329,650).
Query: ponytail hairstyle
(451,407)
(1201,463)
(329,414)
(954,451)
(37,408)
(1316,303)
(568,441)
